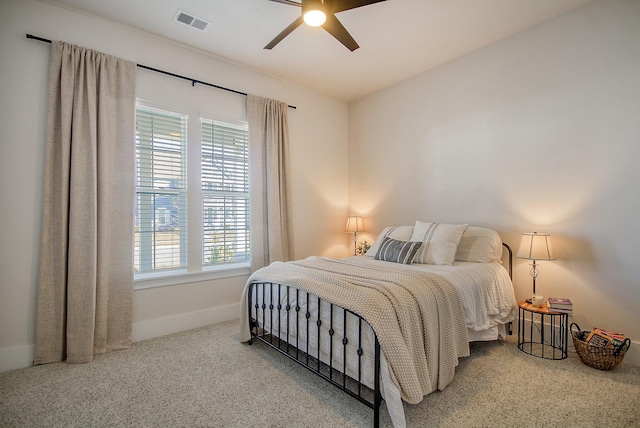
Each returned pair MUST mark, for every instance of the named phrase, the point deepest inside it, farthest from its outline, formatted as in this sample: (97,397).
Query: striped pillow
(439,242)
(395,251)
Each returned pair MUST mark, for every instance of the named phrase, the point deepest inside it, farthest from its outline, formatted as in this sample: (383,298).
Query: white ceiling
(398,38)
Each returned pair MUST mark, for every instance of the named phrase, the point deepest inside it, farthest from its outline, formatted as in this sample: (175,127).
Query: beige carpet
(204,377)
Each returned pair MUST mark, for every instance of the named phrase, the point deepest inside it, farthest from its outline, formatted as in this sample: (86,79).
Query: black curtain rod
(193,81)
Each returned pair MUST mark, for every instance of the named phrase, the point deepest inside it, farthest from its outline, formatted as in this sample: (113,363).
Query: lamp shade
(535,246)
(354,225)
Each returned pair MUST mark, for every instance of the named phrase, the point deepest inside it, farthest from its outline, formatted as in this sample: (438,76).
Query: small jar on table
(542,332)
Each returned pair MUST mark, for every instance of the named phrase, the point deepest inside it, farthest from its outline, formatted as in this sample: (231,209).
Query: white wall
(319,177)
(539,132)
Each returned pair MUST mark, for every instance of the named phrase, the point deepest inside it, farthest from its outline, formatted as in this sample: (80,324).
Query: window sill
(177,277)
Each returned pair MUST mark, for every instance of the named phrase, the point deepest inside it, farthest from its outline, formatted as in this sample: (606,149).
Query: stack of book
(560,304)
(608,339)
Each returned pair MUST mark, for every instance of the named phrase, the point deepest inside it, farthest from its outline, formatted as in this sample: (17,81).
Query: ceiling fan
(316,13)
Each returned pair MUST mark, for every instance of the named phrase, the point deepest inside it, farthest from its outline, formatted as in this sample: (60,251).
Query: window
(164,244)
(225,192)
(161,190)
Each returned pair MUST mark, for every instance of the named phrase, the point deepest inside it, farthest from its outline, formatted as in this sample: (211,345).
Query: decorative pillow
(392,250)
(439,242)
(401,233)
(480,245)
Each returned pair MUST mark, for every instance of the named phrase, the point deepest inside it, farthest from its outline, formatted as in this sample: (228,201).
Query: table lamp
(535,246)
(354,225)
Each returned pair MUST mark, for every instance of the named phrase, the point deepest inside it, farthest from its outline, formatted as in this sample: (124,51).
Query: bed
(391,324)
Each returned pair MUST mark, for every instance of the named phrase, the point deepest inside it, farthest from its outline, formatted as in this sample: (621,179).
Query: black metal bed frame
(353,387)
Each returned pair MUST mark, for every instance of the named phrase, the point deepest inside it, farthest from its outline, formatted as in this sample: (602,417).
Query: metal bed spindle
(345,340)
(319,323)
(307,316)
(331,331)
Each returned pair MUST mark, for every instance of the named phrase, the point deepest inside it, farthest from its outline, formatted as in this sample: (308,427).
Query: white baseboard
(144,330)
(16,357)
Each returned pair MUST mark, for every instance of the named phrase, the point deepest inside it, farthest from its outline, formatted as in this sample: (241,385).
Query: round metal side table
(542,332)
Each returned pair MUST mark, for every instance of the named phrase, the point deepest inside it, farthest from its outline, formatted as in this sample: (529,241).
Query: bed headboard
(510,265)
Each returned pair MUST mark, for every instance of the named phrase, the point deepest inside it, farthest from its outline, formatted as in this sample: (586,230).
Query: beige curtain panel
(85,283)
(269,181)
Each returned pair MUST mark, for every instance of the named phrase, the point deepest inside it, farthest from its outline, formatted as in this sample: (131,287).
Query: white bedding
(488,303)
(486,291)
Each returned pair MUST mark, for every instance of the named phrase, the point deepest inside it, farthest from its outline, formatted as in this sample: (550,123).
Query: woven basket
(596,356)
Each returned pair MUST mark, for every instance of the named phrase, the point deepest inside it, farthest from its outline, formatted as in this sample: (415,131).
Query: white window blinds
(161,190)
(225,192)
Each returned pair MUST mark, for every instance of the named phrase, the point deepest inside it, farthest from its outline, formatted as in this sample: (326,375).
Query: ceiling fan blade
(337,30)
(289,2)
(341,5)
(284,33)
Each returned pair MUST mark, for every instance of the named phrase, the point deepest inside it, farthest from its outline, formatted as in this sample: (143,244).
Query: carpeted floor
(205,377)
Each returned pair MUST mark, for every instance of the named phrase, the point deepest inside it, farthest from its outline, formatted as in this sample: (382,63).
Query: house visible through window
(163,243)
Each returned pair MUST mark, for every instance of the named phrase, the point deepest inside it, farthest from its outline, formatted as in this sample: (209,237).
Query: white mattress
(488,303)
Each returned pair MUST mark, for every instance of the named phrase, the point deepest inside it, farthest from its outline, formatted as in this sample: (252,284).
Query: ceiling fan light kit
(316,13)
(313,13)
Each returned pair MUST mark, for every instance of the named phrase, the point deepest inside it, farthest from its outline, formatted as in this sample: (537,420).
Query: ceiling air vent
(187,18)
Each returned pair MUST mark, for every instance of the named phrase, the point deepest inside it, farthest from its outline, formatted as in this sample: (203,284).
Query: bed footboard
(281,317)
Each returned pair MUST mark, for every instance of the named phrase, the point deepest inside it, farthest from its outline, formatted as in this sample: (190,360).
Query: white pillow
(399,233)
(480,245)
(439,242)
